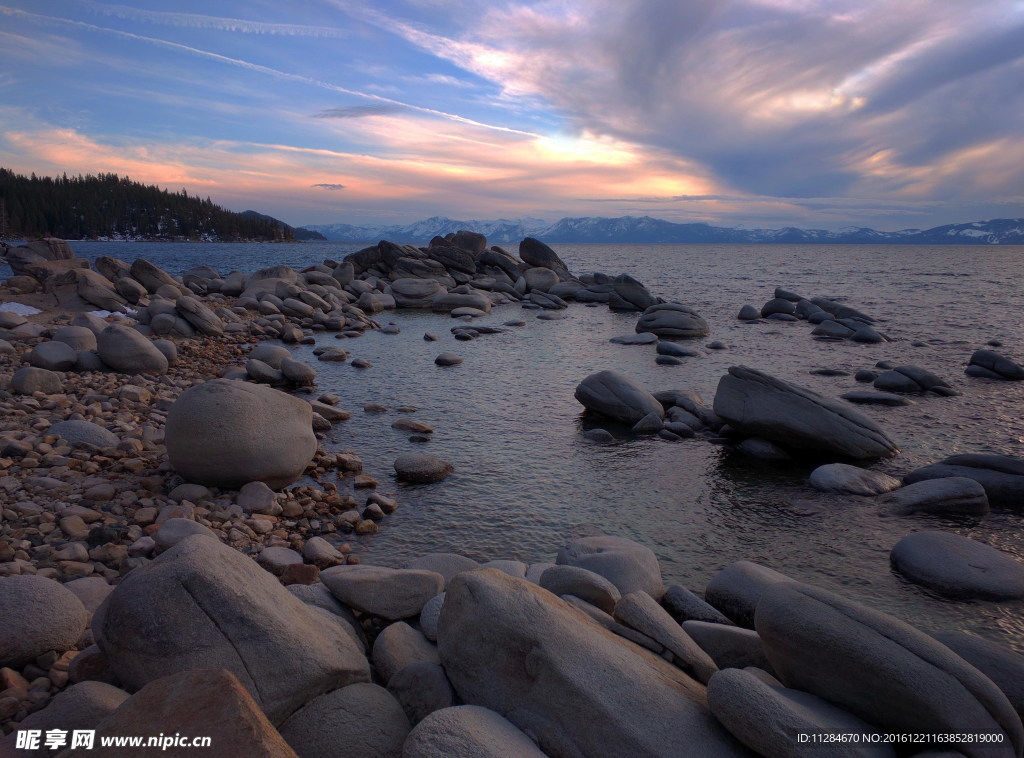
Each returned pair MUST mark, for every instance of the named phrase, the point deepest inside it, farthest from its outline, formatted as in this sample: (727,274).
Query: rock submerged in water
(1002,476)
(618,397)
(421,468)
(672,321)
(954,494)
(841,477)
(992,365)
(958,567)
(756,404)
(228,433)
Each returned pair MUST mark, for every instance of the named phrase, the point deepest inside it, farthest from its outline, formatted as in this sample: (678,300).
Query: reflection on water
(525,481)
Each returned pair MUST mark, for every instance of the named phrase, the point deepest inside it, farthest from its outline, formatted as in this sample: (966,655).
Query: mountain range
(644,229)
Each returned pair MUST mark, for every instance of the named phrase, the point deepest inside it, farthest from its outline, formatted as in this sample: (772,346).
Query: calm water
(525,482)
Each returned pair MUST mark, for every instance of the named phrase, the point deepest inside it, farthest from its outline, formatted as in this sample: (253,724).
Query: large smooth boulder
(954,494)
(387,592)
(537,254)
(361,721)
(958,567)
(449,301)
(881,669)
(151,276)
(998,662)
(421,468)
(539,279)
(468,731)
(205,321)
(769,719)
(126,350)
(851,480)
(991,365)
(209,703)
(910,379)
(672,321)
(737,589)
(1002,476)
(227,433)
(415,293)
(78,432)
(39,615)
(76,337)
(628,294)
(202,604)
(758,405)
(53,356)
(618,397)
(37,251)
(630,566)
(575,687)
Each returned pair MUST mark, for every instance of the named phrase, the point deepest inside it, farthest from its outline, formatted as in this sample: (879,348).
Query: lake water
(525,482)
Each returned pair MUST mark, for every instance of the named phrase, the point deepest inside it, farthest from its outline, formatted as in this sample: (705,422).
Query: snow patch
(21,310)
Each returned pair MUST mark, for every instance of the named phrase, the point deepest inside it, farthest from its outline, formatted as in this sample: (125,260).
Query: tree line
(107,205)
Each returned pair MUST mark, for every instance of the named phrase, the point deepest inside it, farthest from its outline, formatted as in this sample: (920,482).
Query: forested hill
(110,206)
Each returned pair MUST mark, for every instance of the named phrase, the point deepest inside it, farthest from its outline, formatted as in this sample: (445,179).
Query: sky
(756,113)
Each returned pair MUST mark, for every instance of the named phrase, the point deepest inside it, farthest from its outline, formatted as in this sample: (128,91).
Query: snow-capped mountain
(644,229)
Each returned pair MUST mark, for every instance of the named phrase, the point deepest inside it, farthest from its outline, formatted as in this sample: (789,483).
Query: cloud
(331,187)
(358,111)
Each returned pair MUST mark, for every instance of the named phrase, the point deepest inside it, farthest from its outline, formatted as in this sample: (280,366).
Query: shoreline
(131,504)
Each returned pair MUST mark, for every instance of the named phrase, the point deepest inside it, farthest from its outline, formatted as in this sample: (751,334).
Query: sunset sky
(815,113)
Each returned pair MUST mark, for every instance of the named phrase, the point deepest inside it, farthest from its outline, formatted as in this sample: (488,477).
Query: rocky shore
(180,551)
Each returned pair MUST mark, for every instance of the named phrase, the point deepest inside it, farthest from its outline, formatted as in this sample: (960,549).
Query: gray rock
(174,530)
(227,433)
(81,433)
(515,569)
(202,604)
(91,590)
(125,350)
(430,614)
(832,329)
(270,354)
(992,365)
(748,313)
(958,567)
(851,480)
(445,564)
(652,423)
(80,707)
(260,372)
(584,584)
(391,593)
(730,647)
(151,276)
(540,279)
(769,719)
(640,611)
(28,380)
(908,379)
(672,321)
(628,294)
(398,646)
(759,405)
(763,450)
(76,337)
(880,669)
(876,398)
(683,605)
(647,338)
(362,720)
(577,688)
(53,356)
(536,253)
(421,468)
(277,558)
(597,435)
(998,662)
(737,589)
(204,320)
(618,397)
(778,305)
(468,731)
(39,615)
(628,565)
(448,359)
(421,689)
(1002,476)
(298,373)
(419,293)
(450,301)
(955,494)
(318,596)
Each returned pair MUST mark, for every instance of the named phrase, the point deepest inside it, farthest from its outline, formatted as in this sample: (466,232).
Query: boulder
(398,646)
(629,295)
(748,313)
(851,480)
(362,721)
(630,566)
(577,688)
(203,604)
(881,669)
(778,305)
(618,397)
(468,731)
(537,254)
(174,530)
(199,316)
(992,365)
(1002,476)
(998,662)
(76,337)
(53,356)
(579,582)
(82,433)
(298,373)
(129,352)
(454,258)
(270,354)
(28,380)
(729,646)
(448,359)
(910,379)
(227,433)
(390,593)
(37,251)
(954,494)
(672,321)
(445,564)
(422,689)
(737,589)
(112,268)
(756,404)
(151,276)
(451,300)
(416,293)
(683,605)
(211,703)
(421,468)
(958,567)
(769,719)
(39,615)
(540,279)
